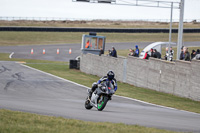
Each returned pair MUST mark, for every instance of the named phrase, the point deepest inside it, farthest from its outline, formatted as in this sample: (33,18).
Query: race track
(29,90)
(51,50)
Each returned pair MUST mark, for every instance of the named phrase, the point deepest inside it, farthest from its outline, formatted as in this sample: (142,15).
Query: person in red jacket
(88,45)
(146,56)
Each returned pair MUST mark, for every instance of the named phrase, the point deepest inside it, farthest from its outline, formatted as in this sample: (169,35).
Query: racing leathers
(105,78)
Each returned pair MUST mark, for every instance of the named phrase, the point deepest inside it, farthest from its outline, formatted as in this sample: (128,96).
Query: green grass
(35,38)
(19,122)
(12,121)
(62,70)
(5,57)
(99,24)
(124,89)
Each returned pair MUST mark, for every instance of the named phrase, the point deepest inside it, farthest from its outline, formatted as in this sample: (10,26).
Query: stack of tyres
(74,64)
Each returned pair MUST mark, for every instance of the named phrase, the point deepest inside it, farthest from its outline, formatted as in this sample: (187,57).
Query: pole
(170,31)
(180,30)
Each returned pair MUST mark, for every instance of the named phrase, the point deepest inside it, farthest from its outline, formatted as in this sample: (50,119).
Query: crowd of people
(185,54)
(169,53)
(134,52)
(195,55)
(153,53)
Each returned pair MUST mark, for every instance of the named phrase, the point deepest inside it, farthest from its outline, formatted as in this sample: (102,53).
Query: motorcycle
(100,96)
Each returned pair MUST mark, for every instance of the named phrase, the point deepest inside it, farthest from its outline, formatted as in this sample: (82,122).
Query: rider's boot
(94,86)
(90,95)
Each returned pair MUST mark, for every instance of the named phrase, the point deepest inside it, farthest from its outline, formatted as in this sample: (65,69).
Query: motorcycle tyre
(87,104)
(104,104)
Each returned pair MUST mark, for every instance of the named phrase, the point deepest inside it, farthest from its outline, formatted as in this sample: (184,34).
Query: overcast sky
(79,10)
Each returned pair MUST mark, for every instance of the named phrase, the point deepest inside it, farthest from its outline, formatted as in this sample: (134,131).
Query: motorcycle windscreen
(110,87)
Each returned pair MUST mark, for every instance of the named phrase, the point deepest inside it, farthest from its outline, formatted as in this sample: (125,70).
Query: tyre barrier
(74,64)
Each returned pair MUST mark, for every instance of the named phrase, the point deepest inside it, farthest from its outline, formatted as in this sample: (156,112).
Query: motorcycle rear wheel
(102,103)
(87,104)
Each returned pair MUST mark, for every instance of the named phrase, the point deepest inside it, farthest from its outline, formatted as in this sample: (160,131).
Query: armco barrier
(108,30)
(179,78)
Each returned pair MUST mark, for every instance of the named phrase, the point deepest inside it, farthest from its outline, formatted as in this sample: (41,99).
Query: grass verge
(36,38)
(97,23)
(62,70)
(19,122)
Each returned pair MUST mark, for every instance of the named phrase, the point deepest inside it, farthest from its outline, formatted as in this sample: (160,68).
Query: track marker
(43,51)
(58,51)
(70,51)
(31,51)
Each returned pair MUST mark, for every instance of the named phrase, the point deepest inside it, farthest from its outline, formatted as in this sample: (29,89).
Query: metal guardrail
(108,30)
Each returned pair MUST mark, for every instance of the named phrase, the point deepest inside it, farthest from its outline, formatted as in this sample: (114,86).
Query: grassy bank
(62,70)
(19,122)
(97,23)
(34,38)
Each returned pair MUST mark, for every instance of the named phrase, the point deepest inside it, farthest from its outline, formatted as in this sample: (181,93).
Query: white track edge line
(55,76)
(156,105)
(114,95)
(10,56)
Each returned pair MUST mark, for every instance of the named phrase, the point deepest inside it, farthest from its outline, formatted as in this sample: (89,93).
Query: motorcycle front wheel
(101,102)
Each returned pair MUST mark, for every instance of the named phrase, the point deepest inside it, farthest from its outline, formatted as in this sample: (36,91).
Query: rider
(110,77)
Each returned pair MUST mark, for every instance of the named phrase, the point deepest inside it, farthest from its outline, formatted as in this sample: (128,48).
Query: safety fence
(178,78)
(106,30)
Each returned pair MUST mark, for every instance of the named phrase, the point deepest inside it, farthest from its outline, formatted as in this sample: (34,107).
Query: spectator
(197,57)
(193,54)
(166,53)
(101,52)
(182,56)
(137,51)
(131,52)
(198,51)
(146,56)
(152,54)
(114,52)
(88,45)
(171,54)
(186,54)
(156,54)
(109,52)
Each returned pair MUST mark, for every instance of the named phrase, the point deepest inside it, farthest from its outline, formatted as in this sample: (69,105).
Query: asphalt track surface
(29,90)
(51,50)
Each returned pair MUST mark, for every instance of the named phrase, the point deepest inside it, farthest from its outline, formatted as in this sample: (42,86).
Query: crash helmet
(110,75)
